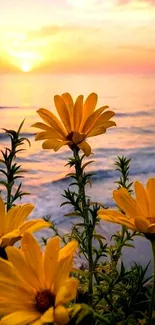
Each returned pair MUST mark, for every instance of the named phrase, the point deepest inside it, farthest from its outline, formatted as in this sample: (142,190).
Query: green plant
(12,170)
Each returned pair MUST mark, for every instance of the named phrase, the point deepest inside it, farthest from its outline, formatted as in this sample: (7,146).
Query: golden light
(25,67)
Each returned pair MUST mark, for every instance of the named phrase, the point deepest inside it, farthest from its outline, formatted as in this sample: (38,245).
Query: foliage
(11,169)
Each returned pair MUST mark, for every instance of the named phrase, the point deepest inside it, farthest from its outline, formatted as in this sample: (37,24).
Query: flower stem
(153,287)
(87,221)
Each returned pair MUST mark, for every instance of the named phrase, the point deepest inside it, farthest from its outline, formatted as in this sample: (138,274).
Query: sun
(25,67)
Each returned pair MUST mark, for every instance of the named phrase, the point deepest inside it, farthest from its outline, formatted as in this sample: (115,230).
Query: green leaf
(3,172)
(72,214)
(87,163)
(20,126)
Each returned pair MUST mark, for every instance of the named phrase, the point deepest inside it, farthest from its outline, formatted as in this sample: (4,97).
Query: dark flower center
(3,253)
(69,136)
(44,300)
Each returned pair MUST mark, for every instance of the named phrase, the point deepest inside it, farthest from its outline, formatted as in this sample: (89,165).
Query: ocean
(132,97)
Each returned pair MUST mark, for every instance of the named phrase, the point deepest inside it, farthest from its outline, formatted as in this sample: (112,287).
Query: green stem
(8,205)
(101,318)
(10,176)
(89,232)
(90,284)
(153,287)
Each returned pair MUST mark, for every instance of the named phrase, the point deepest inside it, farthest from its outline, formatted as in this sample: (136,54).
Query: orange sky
(77,36)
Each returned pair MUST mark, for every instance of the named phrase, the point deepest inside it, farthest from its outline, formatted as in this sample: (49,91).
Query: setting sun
(25,67)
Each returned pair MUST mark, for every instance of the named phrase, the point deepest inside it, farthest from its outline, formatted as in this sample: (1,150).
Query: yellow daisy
(35,286)
(13,224)
(139,212)
(79,121)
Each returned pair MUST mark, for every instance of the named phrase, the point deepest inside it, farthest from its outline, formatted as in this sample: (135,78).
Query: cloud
(136,3)
(138,48)
(123,2)
(45,31)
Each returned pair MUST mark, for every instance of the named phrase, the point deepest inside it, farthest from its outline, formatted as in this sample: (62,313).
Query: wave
(135,130)
(9,107)
(139,113)
(102,174)
(23,134)
(16,107)
(147,112)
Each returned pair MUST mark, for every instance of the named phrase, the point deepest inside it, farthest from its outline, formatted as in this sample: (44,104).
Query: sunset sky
(77,36)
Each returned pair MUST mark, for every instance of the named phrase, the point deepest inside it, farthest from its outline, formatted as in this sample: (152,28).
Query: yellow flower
(79,121)
(139,212)
(13,225)
(35,286)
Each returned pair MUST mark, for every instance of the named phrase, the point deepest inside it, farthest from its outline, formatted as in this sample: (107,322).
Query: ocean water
(133,100)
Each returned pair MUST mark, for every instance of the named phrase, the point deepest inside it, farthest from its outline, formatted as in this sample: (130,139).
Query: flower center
(69,136)
(44,300)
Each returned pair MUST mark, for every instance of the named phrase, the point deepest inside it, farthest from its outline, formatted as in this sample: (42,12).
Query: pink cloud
(125,2)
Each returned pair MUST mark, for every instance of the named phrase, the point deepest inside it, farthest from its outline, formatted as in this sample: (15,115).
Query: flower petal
(116,217)
(85,147)
(10,303)
(48,135)
(37,322)
(150,190)
(142,224)
(41,126)
(48,316)
(68,250)
(33,256)
(61,315)
(51,259)
(96,131)
(67,292)
(109,124)
(126,202)
(54,144)
(9,275)
(88,107)
(10,238)
(70,106)
(64,265)
(77,112)
(34,225)
(63,112)
(142,200)
(11,215)
(105,117)
(52,121)
(102,122)
(68,101)
(17,258)
(21,215)
(21,317)
(87,127)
